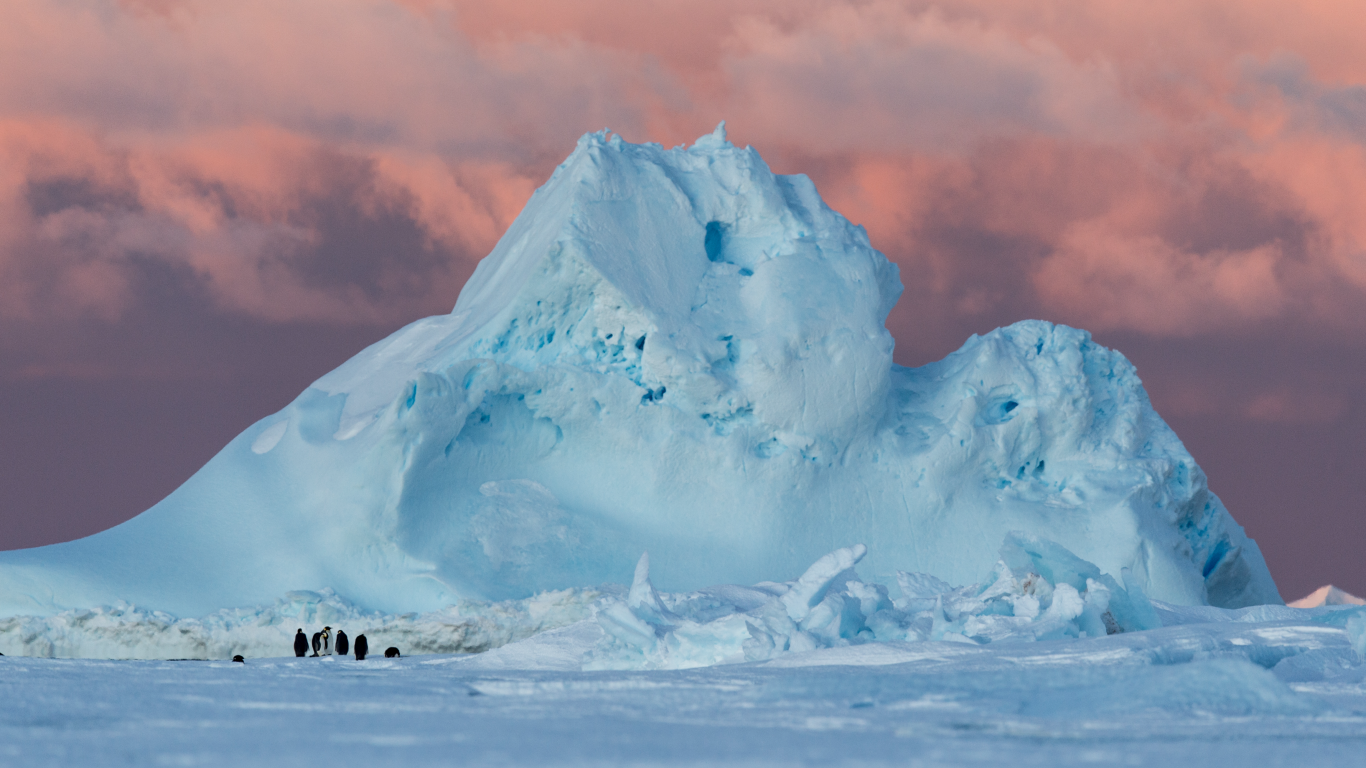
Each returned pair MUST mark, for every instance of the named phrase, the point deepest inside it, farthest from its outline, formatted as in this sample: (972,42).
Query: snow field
(1205,693)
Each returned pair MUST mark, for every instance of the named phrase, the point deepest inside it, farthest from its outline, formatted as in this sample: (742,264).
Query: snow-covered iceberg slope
(675,351)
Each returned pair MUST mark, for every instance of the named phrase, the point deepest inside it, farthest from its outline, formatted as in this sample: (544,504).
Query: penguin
(327,637)
(391,652)
(300,643)
(317,643)
(362,647)
(238,658)
(341,644)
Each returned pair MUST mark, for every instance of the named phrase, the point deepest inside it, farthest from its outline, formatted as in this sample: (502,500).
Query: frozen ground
(1223,693)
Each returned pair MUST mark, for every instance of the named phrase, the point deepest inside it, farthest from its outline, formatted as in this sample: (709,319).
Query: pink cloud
(1293,407)
(1144,283)
(1171,169)
(235,208)
(879,78)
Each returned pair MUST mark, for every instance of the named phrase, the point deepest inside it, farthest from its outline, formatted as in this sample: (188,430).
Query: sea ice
(124,631)
(825,668)
(1109,701)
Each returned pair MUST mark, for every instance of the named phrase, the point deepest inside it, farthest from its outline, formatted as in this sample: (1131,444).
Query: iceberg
(1327,595)
(678,351)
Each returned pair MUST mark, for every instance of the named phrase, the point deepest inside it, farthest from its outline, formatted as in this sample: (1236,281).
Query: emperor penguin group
(323,644)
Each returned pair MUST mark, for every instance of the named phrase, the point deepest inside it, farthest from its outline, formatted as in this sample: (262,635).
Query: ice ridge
(1037,591)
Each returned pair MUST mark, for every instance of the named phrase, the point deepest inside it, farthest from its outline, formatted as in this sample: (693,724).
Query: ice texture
(674,351)
(1037,591)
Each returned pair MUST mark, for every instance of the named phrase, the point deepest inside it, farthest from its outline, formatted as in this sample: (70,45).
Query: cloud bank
(1185,177)
(1190,168)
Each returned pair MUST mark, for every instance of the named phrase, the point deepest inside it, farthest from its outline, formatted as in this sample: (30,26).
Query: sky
(205,206)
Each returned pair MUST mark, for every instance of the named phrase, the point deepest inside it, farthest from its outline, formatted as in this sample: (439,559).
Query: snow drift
(675,351)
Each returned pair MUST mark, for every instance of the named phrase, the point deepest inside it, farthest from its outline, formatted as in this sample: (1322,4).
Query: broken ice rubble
(1037,591)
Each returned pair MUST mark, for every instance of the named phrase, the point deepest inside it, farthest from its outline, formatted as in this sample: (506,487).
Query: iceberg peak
(714,140)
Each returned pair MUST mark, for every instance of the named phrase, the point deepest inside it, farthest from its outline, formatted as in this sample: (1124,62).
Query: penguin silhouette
(362,647)
(238,658)
(391,652)
(341,643)
(317,642)
(327,645)
(300,643)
